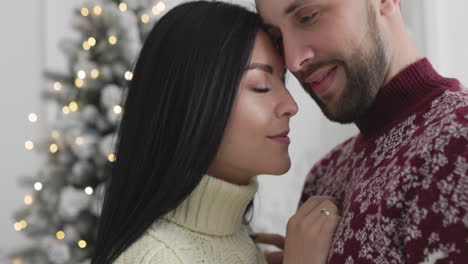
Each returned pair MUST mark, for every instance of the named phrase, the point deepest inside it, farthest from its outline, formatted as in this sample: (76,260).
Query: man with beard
(401,183)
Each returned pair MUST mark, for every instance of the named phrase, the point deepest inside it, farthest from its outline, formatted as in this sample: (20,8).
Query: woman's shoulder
(151,247)
(169,243)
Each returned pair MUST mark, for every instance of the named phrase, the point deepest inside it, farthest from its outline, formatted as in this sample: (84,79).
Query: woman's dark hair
(177,107)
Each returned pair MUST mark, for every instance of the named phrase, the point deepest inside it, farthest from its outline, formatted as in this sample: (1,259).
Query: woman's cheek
(254,113)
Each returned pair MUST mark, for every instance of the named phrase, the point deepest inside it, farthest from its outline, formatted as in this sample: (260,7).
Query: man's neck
(402,55)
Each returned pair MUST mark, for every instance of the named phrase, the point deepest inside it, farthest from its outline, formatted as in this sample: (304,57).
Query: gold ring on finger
(325,212)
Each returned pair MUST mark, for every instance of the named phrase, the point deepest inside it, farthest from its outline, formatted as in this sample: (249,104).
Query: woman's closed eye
(261,90)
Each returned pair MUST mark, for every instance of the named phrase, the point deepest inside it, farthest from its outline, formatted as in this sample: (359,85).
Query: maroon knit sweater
(402,182)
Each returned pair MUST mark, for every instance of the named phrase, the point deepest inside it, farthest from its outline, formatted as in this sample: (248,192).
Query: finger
(326,213)
(327,207)
(270,239)
(320,212)
(327,231)
(274,257)
(312,204)
(330,224)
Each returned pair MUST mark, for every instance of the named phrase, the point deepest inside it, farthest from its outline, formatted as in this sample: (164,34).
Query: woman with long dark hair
(207,111)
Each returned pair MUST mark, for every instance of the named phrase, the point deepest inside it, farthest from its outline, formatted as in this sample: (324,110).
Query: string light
(38,186)
(66,110)
(18,260)
(57,86)
(123,7)
(79,83)
(161,6)
(111,158)
(53,148)
(79,140)
(155,10)
(97,10)
(92,41)
(20,225)
(29,145)
(88,190)
(158,8)
(73,106)
(17,226)
(32,117)
(60,235)
(23,224)
(128,75)
(94,73)
(28,199)
(86,45)
(84,11)
(117,109)
(55,134)
(112,40)
(82,244)
(145,18)
(81,74)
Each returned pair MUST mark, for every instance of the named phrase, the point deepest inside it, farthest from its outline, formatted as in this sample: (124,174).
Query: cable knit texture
(402,181)
(206,228)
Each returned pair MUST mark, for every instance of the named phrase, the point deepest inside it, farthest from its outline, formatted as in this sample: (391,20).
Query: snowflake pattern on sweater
(403,192)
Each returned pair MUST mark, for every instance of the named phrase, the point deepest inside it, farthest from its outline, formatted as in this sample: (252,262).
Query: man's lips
(321,84)
(281,137)
(320,74)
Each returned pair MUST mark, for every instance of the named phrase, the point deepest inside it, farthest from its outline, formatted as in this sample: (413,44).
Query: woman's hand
(310,231)
(308,235)
(275,257)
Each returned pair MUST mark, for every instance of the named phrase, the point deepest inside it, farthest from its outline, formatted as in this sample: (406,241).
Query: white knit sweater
(206,228)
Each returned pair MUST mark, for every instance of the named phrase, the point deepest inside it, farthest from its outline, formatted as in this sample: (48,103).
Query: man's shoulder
(444,127)
(450,102)
(318,177)
(336,155)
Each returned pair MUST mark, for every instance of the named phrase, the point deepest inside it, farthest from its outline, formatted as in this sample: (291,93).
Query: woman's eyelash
(261,90)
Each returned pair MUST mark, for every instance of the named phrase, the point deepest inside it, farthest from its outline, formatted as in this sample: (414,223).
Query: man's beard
(365,76)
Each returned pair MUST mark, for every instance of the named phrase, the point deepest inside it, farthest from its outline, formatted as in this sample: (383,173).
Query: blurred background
(33,33)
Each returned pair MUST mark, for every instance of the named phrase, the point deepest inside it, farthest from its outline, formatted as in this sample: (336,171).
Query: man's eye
(306,19)
(306,15)
(279,43)
(277,39)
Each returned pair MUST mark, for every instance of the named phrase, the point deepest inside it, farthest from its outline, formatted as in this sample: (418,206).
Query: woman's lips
(281,137)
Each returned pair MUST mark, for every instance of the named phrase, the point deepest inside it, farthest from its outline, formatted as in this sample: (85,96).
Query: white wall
(440,31)
(30,31)
(22,57)
(451,37)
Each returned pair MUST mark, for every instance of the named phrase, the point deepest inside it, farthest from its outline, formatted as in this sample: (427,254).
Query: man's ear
(387,7)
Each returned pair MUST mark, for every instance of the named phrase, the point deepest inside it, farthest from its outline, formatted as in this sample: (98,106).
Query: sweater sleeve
(435,224)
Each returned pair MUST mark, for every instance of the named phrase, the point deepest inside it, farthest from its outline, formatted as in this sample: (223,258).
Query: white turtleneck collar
(215,207)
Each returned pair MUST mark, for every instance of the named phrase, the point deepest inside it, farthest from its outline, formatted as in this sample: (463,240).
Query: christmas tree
(61,212)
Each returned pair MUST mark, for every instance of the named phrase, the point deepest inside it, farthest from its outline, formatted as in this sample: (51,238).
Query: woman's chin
(280,167)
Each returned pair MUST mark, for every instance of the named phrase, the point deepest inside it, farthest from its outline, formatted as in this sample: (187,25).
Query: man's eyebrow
(260,66)
(293,6)
(289,9)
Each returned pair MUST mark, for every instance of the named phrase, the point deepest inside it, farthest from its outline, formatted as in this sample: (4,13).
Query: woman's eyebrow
(260,66)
